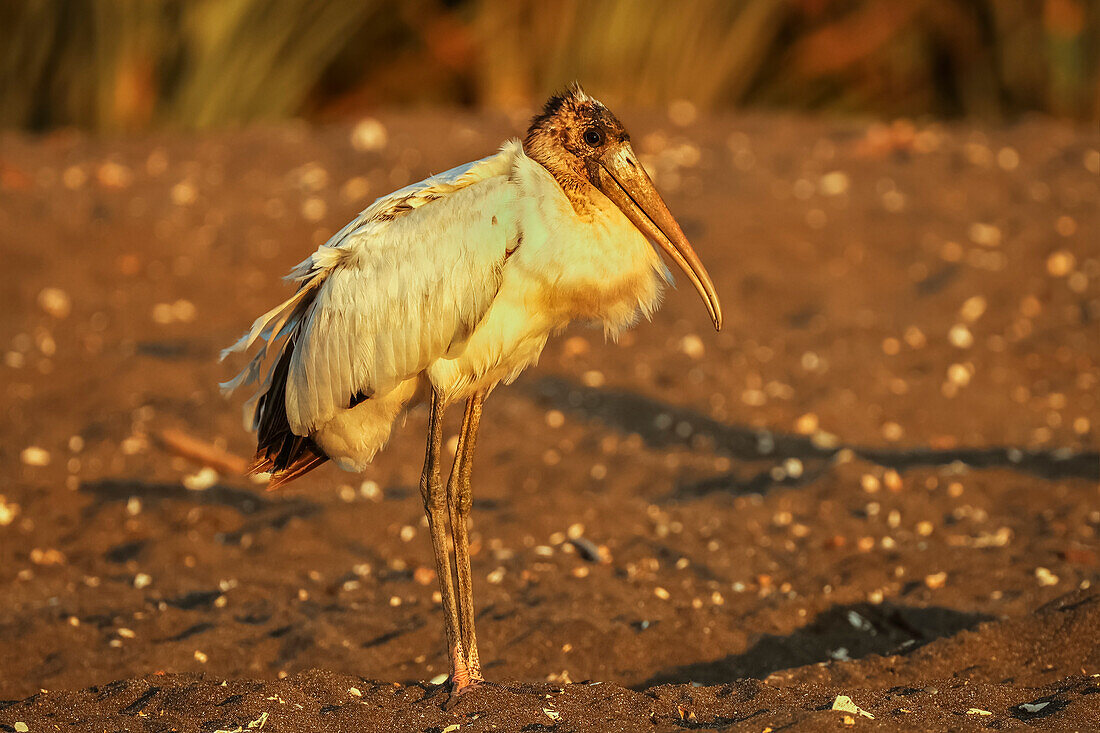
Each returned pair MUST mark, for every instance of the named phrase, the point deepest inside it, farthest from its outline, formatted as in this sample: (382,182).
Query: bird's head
(587,150)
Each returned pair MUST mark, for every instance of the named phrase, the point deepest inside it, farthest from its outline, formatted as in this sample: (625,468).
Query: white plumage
(459,279)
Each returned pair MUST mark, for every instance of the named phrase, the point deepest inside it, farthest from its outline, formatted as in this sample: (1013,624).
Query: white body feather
(457,281)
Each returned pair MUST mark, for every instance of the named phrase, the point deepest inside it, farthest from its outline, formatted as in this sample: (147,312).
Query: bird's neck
(595,267)
(573,183)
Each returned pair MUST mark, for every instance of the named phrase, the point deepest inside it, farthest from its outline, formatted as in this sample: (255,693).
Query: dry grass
(112,64)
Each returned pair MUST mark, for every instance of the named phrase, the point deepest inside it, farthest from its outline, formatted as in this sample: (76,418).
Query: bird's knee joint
(433,495)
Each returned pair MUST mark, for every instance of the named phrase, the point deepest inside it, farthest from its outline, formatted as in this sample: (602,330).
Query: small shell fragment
(844,703)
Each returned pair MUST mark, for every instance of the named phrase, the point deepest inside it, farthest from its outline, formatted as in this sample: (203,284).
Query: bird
(443,290)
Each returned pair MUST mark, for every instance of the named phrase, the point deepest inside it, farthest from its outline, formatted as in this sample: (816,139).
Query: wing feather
(391,292)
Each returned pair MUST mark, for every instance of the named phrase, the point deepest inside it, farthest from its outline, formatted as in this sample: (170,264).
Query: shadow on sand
(841,633)
(662,425)
(260,510)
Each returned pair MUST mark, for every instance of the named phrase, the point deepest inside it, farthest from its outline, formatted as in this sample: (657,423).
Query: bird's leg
(460,499)
(435,500)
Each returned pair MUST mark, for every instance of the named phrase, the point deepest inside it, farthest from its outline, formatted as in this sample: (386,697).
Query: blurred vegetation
(126,64)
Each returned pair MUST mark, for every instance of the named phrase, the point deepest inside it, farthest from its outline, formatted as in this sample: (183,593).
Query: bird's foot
(458,692)
(464,677)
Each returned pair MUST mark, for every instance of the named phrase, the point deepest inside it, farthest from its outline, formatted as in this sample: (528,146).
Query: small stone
(439,679)
(978,711)
(114,175)
(592,378)
(892,431)
(986,235)
(184,193)
(55,301)
(8,511)
(368,135)
(834,183)
(201,657)
(370,490)
(870,483)
(355,692)
(915,338)
(575,346)
(935,580)
(845,704)
(21,727)
(142,580)
(314,209)
(202,480)
(960,336)
(806,424)
(35,456)
(355,189)
(1008,159)
(958,374)
(1045,577)
(661,593)
(1061,263)
(181,311)
(972,308)
(693,346)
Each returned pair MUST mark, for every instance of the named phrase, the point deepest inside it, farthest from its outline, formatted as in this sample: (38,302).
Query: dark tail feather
(279,451)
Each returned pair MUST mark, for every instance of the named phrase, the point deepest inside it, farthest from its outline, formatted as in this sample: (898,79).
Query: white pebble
(960,336)
(55,301)
(201,480)
(368,135)
(693,346)
(1045,577)
(35,456)
(834,183)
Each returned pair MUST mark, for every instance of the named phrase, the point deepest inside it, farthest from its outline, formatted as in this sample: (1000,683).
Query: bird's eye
(593,137)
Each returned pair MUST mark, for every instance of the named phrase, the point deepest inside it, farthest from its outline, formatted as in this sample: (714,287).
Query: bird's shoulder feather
(392,291)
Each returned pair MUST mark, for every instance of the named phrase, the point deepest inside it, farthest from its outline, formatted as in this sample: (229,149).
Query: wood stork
(442,290)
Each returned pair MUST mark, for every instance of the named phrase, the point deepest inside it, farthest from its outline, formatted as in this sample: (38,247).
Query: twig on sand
(201,451)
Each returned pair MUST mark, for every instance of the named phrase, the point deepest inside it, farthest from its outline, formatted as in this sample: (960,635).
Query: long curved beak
(621,178)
